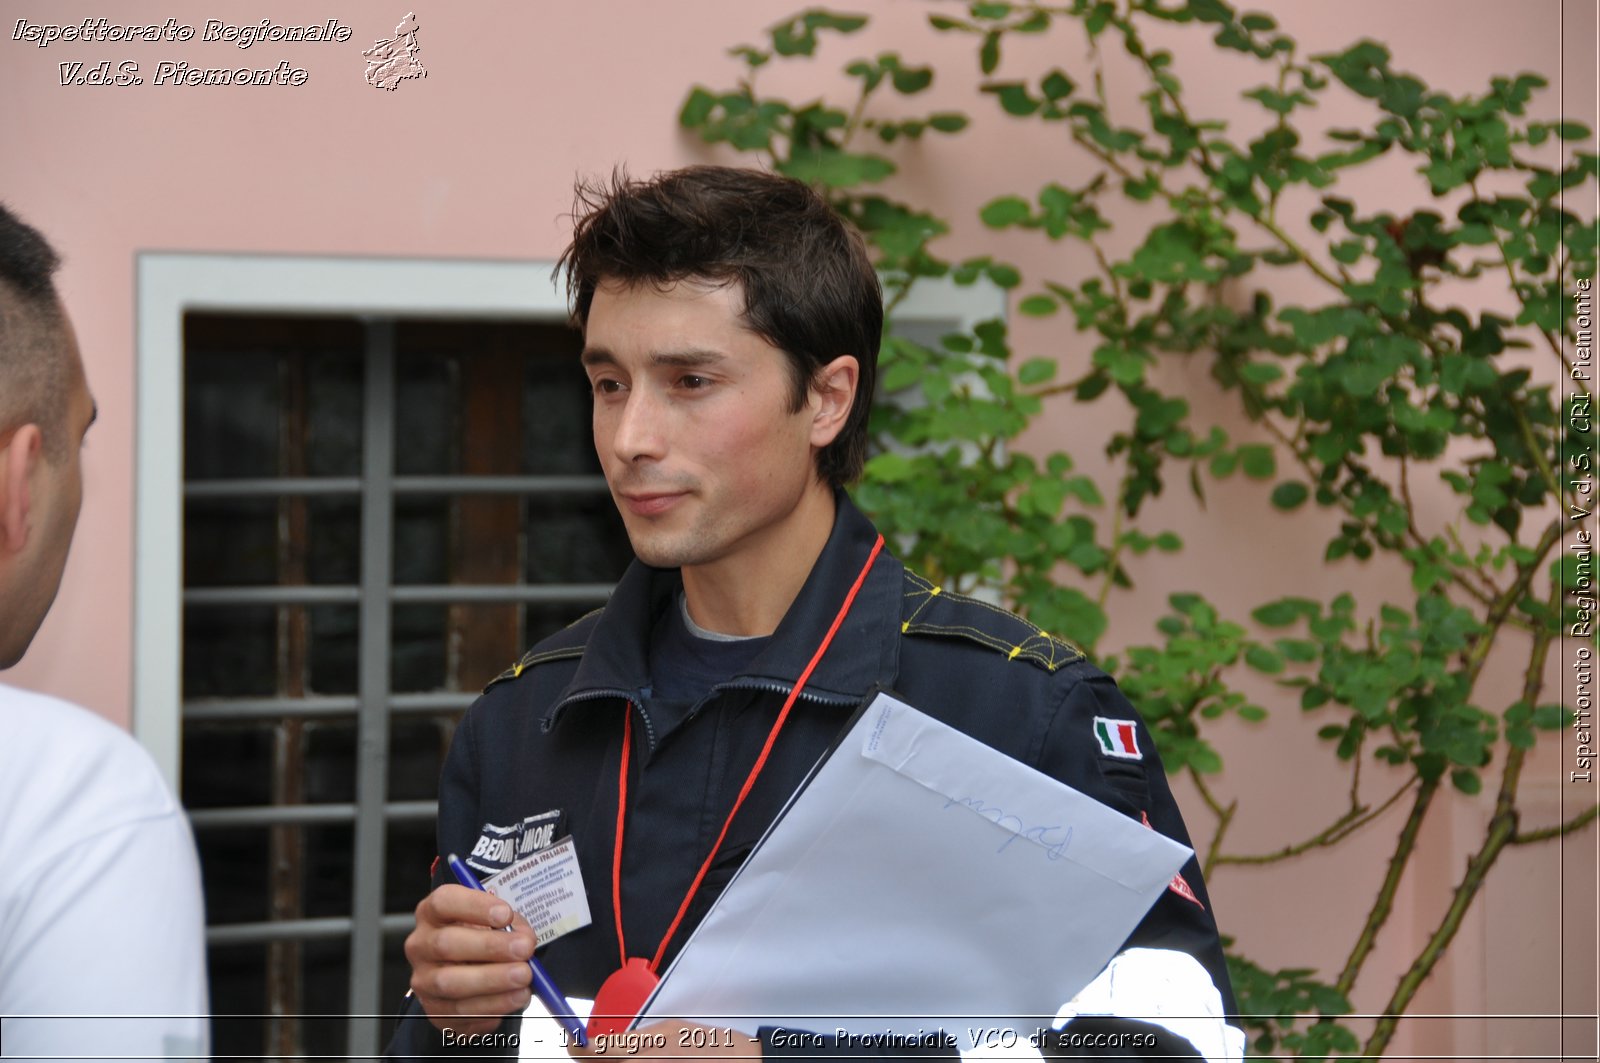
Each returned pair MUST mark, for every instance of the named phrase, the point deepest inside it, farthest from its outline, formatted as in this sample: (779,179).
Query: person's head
(731,326)
(799,273)
(45,409)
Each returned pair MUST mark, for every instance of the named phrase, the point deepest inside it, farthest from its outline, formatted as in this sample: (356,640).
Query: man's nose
(639,427)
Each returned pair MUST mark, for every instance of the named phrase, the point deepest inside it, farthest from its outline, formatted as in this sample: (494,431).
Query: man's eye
(692,382)
(605,386)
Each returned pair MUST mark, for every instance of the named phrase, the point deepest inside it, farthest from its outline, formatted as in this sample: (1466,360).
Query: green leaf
(1038,306)
(948,122)
(989,54)
(1204,759)
(1004,211)
(889,467)
(1466,780)
(697,108)
(1263,660)
(1551,717)
(1005,276)
(837,169)
(1260,372)
(1290,495)
(1036,371)
(1014,98)
(1258,461)
(1056,86)
(1285,611)
(908,80)
(902,374)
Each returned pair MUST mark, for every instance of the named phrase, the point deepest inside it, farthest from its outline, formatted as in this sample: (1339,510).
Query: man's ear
(18,456)
(833,393)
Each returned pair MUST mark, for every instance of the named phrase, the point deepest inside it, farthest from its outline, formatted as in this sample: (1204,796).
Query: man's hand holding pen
(466,970)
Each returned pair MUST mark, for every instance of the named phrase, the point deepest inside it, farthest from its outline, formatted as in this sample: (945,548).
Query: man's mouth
(651,503)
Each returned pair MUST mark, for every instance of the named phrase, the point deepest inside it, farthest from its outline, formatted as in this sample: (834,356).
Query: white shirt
(100,904)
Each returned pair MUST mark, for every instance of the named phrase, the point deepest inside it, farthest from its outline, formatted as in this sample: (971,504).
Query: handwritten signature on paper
(1053,850)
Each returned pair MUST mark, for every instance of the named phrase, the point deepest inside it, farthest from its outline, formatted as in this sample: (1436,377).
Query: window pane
(230,651)
(334,648)
(230,542)
(234,863)
(329,861)
(422,540)
(330,761)
(331,542)
(411,848)
(425,401)
(228,764)
(231,409)
(417,648)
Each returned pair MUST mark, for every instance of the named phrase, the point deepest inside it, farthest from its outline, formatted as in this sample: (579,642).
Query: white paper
(921,881)
(542,1035)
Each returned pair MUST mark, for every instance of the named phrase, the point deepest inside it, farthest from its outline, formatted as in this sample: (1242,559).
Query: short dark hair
(34,375)
(809,288)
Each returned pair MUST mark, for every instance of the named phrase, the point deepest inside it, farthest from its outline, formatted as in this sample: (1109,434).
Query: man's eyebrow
(692,358)
(689,358)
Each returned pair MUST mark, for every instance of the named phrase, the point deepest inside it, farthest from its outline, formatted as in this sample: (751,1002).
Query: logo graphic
(1179,884)
(1118,738)
(499,847)
(391,62)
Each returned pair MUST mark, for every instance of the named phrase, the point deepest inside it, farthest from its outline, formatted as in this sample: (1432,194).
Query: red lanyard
(744,791)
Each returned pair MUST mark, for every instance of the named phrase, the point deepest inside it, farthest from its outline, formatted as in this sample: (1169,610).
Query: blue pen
(543,986)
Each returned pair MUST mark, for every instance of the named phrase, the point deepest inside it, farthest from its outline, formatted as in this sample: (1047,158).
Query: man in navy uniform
(731,328)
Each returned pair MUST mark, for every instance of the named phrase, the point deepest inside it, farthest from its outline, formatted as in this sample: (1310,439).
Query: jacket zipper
(591,695)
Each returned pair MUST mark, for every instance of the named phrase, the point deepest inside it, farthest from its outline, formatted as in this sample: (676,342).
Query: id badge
(546,889)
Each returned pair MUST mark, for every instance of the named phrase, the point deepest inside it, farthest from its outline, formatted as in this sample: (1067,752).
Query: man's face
(55,490)
(693,422)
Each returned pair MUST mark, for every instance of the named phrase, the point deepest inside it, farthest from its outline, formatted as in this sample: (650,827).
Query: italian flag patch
(1118,738)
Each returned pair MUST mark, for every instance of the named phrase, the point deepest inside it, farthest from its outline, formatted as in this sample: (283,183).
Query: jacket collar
(864,652)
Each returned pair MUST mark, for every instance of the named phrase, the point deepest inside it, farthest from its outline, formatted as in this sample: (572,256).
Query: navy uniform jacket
(542,746)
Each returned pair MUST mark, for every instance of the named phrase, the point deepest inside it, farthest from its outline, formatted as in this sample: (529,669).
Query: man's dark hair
(809,288)
(34,375)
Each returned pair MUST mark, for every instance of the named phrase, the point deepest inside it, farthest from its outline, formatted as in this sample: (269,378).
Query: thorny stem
(1416,535)
(1111,562)
(1224,814)
(1353,819)
(1383,904)
(1577,822)
(1539,459)
(1502,832)
(1502,606)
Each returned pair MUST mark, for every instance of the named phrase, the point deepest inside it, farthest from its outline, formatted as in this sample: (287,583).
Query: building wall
(477,161)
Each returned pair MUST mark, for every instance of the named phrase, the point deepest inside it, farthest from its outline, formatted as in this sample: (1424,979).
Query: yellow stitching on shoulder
(1014,651)
(551,655)
(977,634)
(905,626)
(1009,614)
(516,670)
(936,590)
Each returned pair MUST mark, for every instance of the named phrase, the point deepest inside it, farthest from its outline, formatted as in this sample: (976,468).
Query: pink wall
(477,161)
